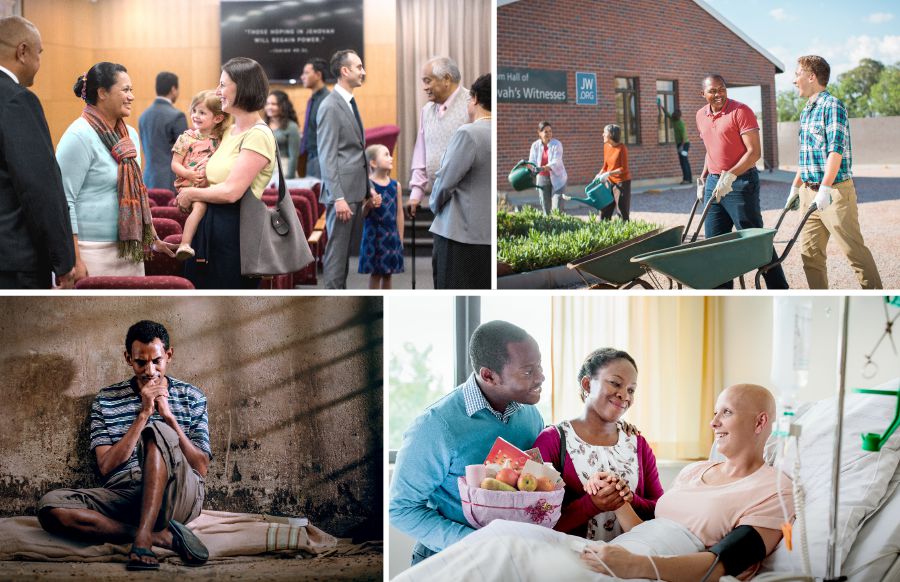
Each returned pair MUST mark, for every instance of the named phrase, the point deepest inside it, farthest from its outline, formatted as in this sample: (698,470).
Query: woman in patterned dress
(598,442)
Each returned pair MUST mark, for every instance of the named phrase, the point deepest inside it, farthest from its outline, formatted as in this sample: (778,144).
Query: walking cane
(413,251)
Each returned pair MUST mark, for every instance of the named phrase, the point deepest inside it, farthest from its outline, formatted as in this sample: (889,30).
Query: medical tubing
(800,510)
(611,573)
(711,568)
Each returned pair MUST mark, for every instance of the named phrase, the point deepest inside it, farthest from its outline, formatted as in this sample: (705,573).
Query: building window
(666,103)
(627,112)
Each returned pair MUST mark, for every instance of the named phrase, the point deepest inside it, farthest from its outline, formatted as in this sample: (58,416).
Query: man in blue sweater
(497,400)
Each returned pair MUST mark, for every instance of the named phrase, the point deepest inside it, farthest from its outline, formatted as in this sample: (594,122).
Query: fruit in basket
(495,485)
(508,475)
(546,484)
(527,482)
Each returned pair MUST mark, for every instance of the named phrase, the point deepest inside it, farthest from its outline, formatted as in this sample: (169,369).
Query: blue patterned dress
(381,251)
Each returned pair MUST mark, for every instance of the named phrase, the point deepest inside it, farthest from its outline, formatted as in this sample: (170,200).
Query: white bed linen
(522,552)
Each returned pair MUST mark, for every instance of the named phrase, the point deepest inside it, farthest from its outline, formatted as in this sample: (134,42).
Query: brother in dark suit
(35,231)
(160,126)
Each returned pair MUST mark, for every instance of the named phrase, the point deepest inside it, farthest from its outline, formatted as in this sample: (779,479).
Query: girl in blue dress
(381,249)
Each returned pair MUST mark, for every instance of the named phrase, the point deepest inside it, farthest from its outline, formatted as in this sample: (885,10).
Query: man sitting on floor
(151,438)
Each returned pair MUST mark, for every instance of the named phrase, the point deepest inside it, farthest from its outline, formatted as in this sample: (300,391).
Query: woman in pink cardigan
(596,442)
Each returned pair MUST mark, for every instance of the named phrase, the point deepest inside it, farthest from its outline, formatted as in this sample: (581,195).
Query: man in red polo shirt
(731,136)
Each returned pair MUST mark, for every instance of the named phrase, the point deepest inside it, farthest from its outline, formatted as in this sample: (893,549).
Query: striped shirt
(824,128)
(476,401)
(116,408)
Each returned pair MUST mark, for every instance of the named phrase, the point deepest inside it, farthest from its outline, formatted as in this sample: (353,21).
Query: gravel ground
(879,209)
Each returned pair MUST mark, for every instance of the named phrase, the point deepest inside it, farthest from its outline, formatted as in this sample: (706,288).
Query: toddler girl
(190,154)
(381,249)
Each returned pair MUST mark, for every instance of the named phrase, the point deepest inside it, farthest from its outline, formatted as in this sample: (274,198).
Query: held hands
(701,188)
(342,210)
(723,186)
(374,198)
(608,491)
(823,198)
(793,199)
(602,176)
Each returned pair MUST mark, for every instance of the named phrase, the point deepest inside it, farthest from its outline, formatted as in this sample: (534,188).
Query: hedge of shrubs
(529,239)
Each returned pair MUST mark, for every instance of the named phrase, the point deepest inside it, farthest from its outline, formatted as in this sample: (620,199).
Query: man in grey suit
(160,127)
(342,157)
(461,200)
(35,230)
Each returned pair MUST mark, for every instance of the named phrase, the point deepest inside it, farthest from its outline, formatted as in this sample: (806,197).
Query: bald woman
(35,231)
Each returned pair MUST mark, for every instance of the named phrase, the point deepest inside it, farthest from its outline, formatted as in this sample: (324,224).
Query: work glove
(823,198)
(723,186)
(701,188)
(793,199)
(603,176)
(683,152)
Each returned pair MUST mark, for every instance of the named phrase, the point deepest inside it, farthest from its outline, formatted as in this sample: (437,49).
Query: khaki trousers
(840,219)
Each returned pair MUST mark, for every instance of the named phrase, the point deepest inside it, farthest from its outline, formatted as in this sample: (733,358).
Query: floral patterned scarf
(135,222)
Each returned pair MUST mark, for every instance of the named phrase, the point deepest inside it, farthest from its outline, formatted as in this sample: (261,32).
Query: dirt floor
(366,565)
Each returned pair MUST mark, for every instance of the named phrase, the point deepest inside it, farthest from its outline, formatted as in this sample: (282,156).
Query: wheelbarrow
(521,177)
(612,267)
(709,263)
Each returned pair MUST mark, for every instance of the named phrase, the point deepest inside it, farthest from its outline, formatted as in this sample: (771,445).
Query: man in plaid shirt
(824,177)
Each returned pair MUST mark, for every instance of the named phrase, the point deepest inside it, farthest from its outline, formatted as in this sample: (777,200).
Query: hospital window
(666,103)
(428,361)
(627,112)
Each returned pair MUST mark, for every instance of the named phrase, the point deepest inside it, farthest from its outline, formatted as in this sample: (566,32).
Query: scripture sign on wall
(283,35)
(515,85)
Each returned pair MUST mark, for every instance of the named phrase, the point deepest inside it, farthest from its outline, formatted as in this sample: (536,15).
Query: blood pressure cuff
(740,549)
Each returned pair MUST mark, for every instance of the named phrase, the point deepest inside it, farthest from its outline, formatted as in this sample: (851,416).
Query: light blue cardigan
(89,175)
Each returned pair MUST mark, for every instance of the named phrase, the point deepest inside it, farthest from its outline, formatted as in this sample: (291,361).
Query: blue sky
(842,32)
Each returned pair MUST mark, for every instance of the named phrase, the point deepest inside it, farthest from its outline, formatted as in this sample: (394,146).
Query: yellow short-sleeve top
(258,139)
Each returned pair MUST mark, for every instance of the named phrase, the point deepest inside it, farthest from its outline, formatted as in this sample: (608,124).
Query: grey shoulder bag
(272,239)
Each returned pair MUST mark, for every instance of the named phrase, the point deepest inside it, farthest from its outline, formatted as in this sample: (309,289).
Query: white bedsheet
(521,552)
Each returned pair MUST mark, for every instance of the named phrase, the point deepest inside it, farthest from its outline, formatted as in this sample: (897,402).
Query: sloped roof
(779,66)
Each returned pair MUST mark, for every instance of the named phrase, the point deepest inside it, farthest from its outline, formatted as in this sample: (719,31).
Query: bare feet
(163,539)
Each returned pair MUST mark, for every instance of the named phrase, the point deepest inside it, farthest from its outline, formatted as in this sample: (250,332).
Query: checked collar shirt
(475,401)
(824,128)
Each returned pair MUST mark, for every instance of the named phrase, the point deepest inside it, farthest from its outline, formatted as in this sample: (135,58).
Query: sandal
(184,252)
(187,545)
(139,564)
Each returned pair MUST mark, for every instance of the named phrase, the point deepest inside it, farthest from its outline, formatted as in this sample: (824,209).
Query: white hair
(445,67)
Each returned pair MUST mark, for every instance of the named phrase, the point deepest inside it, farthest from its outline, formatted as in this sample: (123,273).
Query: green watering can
(521,177)
(599,193)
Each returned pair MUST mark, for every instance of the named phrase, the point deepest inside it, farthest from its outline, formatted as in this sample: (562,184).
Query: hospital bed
(869,515)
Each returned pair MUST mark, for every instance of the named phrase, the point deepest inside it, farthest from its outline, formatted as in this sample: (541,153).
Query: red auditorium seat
(150,282)
(161,264)
(170,212)
(386,135)
(165,227)
(161,196)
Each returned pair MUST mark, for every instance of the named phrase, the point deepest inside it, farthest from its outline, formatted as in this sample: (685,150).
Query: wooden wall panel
(148,36)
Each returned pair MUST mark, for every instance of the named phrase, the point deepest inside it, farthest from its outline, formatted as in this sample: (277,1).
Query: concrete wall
(873,141)
(294,388)
(648,39)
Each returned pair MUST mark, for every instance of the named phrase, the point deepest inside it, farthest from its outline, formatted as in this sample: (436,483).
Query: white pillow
(864,481)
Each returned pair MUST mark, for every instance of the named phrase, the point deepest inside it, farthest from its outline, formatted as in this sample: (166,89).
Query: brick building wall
(648,39)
